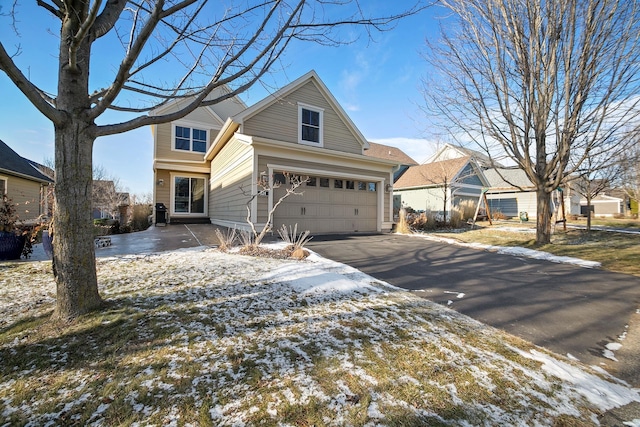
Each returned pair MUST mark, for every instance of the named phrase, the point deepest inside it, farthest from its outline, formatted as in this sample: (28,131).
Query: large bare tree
(158,51)
(545,84)
(629,177)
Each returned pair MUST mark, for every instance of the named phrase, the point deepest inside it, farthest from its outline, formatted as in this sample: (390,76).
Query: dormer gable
(306,113)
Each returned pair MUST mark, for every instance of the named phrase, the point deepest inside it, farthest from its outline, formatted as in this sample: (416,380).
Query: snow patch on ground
(280,316)
(514,251)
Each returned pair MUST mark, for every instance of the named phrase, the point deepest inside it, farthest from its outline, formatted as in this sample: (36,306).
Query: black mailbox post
(161,214)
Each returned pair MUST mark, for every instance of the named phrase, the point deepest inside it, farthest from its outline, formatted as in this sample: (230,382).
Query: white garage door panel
(328,209)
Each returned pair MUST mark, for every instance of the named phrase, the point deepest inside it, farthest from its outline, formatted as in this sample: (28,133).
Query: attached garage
(300,130)
(329,205)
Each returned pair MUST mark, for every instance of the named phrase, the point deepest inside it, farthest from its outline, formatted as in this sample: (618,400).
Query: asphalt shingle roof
(12,163)
(431,173)
(507,178)
(387,152)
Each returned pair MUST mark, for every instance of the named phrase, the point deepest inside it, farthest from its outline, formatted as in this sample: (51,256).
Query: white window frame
(172,201)
(318,110)
(191,126)
(6,185)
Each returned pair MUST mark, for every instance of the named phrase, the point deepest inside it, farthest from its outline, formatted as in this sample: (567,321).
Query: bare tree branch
(545,84)
(31,91)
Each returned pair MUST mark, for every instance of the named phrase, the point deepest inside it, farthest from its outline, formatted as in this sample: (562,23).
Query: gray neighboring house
(604,205)
(23,183)
(426,187)
(510,192)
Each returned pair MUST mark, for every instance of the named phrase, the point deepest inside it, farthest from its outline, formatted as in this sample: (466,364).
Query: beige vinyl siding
(163,192)
(227,108)
(165,143)
(280,121)
(226,199)
(26,195)
(200,115)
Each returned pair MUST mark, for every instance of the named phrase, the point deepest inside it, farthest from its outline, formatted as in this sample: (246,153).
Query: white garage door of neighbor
(329,205)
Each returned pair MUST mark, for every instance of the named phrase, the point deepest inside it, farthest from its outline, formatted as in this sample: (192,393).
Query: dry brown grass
(617,252)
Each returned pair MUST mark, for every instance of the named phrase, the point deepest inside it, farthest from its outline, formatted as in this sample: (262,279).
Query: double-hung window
(310,125)
(190,139)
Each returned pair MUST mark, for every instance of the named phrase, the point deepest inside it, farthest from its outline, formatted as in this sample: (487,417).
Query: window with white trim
(310,121)
(189,139)
(3,186)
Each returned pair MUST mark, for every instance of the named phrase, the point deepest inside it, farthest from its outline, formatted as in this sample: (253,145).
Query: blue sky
(377,82)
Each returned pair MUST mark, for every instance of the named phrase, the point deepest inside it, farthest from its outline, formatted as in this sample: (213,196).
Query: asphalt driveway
(567,309)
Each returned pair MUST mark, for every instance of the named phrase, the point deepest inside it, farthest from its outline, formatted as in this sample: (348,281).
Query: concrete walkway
(154,239)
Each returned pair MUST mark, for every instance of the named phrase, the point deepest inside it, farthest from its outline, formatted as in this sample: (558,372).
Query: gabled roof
(387,152)
(603,198)
(432,174)
(507,178)
(449,151)
(313,77)
(176,104)
(11,163)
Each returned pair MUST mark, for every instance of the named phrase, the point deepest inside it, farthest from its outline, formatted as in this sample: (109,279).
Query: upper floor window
(190,139)
(310,125)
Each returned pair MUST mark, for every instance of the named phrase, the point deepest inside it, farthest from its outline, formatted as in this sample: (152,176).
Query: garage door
(330,205)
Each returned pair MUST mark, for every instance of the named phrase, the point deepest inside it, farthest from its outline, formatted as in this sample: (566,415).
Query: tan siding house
(24,184)
(299,130)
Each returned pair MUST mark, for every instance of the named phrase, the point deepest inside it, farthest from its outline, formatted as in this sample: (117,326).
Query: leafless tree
(262,188)
(629,177)
(196,51)
(106,192)
(596,175)
(544,83)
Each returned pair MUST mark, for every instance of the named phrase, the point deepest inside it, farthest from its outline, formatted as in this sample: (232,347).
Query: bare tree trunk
(588,214)
(543,226)
(74,263)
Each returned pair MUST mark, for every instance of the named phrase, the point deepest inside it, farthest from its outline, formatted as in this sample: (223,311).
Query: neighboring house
(603,205)
(508,189)
(207,167)
(24,184)
(429,186)
(511,192)
(107,203)
(382,151)
(449,151)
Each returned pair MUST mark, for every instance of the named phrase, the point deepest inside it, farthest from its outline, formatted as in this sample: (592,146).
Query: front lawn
(617,252)
(201,337)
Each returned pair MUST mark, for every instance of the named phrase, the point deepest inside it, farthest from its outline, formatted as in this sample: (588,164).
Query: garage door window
(324,182)
(337,183)
(371,186)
